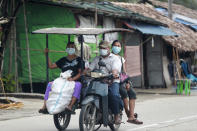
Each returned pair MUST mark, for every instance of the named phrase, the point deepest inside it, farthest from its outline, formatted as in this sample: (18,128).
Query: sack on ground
(61,93)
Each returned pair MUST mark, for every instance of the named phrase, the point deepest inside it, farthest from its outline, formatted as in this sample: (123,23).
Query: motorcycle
(94,106)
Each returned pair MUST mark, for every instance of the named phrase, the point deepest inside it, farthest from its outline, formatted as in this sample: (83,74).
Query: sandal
(135,121)
(135,115)
(43,111)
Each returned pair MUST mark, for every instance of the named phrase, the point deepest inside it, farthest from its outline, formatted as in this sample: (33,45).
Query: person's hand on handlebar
(86,71)
(115,74)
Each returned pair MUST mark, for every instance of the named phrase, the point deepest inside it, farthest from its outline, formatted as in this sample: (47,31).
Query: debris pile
(9,104)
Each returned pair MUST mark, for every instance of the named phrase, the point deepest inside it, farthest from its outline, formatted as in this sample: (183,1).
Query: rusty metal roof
(79,31)
(103,8)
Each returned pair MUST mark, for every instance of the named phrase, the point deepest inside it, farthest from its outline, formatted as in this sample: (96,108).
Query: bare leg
(131,109)
(126,105)
(44,105)
(131,118)
(73,100)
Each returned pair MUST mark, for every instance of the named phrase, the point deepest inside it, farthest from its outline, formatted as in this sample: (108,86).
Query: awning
(151,29)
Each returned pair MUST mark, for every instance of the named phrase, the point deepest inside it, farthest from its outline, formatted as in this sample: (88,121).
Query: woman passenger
(125,89)
(69,62)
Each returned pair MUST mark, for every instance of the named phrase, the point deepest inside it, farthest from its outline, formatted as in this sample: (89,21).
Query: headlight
(96,74)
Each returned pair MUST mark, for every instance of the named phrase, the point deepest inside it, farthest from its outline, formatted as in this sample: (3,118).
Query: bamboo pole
(178,64)
(13,41)
(2,71)
(170,8)
(27,44)
(10,52)
(15,51)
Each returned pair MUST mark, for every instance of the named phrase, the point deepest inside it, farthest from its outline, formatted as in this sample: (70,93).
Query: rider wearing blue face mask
(69,62)
(113,65)
(125,89)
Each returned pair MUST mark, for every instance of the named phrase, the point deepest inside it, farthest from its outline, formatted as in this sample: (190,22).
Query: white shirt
(112,63)
(123,60)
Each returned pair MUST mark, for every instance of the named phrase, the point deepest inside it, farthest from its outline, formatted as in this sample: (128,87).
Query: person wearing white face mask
(125,88)
(69,62)
(113,65)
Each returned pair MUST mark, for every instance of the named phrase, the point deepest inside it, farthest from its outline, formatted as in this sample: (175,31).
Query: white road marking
(188,117)
(142,127)
(163,122)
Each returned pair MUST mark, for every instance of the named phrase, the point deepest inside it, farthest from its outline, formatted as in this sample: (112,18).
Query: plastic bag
(61,93)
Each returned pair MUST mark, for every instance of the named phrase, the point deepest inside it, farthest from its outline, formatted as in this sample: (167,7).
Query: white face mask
(70,51)
(103,52)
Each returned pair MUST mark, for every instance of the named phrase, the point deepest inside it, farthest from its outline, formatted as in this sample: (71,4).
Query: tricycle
(94,95)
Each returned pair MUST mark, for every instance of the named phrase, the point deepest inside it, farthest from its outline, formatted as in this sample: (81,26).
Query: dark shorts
(124,93)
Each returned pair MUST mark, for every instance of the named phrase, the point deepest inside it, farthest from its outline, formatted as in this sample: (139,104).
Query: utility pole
(170,8)
(96,16)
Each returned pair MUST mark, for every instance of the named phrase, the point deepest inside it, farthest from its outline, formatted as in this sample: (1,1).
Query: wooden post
(27,44)
(81,42)
(15,50)
(170,8)
(15,57)
(10,51)
(96,17)
(47,60)
(142,62)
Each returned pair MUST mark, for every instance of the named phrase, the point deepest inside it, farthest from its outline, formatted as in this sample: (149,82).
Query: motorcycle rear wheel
(61,121)
(87,117)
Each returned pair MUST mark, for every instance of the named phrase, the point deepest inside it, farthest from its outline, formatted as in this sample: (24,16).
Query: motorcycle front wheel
(87,117)
(113,126)
(61,121)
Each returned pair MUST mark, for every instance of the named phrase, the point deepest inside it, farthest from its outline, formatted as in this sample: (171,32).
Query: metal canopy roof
(79,31)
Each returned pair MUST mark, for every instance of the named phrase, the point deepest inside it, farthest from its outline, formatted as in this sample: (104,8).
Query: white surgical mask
(103,52)
(116,49)
(70,51)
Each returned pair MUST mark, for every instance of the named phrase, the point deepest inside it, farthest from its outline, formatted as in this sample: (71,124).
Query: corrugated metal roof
(79,31)
(151,29)
(103,8)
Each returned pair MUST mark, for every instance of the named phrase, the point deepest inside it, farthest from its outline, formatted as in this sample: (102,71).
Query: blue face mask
(103,52)
(70,51)
(116,49)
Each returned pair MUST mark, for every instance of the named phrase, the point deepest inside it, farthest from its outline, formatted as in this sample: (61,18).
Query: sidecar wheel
(87,117)
(61,121)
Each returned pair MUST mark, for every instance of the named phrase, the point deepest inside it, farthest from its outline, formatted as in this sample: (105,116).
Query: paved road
(159,113)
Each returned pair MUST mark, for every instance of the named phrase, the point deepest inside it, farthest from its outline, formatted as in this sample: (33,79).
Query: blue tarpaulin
(193,26)
(151,29)
(184,21)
